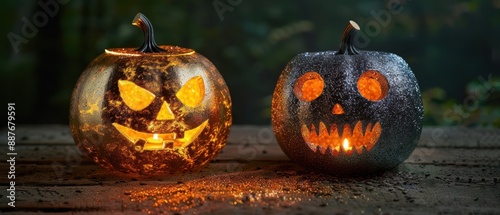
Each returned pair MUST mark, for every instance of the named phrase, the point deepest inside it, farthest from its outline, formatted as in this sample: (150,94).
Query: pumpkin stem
(149,44)
(347,46)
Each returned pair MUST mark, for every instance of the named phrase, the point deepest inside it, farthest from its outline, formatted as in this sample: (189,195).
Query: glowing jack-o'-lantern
(151,109)
(347,112)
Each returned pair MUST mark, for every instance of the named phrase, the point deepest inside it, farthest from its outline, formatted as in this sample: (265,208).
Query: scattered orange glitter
(250,188)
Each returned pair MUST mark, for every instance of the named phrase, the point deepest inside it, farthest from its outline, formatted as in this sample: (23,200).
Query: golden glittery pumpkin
(151,109)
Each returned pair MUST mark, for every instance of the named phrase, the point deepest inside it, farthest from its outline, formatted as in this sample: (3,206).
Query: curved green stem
(149,44)
(347,47)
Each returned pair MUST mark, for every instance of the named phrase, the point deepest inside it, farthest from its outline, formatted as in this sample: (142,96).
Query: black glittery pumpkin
(348,112)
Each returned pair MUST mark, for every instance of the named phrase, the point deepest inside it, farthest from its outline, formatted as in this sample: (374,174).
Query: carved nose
(337,109)
(165,113)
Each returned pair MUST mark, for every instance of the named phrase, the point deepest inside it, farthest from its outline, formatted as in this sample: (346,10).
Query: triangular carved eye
(309,86)
(135,97)
(193,92)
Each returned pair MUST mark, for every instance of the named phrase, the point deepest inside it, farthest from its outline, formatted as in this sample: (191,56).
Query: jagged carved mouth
(347,142)
(161,141)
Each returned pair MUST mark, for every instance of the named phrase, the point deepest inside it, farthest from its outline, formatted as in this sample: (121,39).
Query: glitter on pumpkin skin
(370,86)
(135,97)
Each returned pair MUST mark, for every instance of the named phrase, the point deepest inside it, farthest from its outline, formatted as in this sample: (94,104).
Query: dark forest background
(451,46)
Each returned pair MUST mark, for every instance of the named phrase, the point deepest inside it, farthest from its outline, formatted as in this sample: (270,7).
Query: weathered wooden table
(452,171)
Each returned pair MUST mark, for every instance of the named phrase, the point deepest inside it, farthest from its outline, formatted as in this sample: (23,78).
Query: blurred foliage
(448,44)
(480,107)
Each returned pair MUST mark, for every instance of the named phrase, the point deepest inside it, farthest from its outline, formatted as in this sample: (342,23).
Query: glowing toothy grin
(134,136)
(351,140)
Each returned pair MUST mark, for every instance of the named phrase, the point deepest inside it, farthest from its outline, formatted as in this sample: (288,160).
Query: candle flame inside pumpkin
(350,140)
(346,145)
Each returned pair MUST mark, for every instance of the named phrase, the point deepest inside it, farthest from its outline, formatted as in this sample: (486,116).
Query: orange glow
(165,113)
(309,86)
(192,93)
(372,85)
(154,143)
(235,189)
(135,97)
(347,148)
(125,97)
(337,109)
(134,136)
(348,142)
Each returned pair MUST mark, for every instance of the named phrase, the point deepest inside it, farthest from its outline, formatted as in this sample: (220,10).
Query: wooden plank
(70,155)
(91,174)
(453,170)
(46,134)
(460,137)
(64,172)
(457,137)
(279,188)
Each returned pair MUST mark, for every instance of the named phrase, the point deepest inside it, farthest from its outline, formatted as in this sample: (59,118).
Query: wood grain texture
(452,171)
